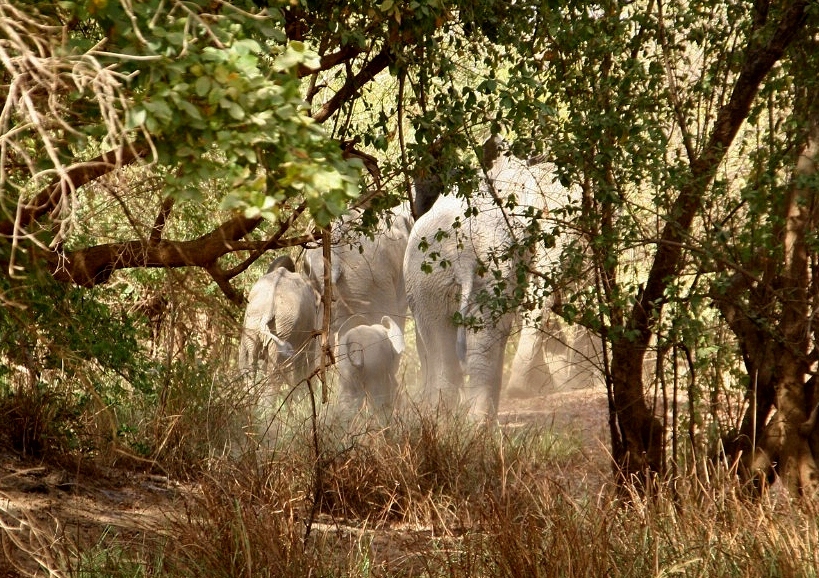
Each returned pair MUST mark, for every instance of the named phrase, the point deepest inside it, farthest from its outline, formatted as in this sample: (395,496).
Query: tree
(201,134)
(191,95)
(657,97)
(198,135)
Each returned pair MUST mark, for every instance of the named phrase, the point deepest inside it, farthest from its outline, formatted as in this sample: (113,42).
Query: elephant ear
(352,350)
(394,333)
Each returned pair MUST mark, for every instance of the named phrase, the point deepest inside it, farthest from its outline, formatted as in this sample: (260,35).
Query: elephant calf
(279,325)
(368,358)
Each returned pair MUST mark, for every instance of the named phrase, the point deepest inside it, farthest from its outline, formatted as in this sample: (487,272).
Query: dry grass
(424,497)
(432,499)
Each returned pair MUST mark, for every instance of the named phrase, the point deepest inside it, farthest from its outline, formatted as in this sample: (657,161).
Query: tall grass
(266,494)
(425,498)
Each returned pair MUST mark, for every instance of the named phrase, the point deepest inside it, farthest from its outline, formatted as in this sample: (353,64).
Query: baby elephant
(279,326)
(368,358)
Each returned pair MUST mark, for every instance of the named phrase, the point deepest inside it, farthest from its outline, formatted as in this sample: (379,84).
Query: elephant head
(428,184)
(282,261)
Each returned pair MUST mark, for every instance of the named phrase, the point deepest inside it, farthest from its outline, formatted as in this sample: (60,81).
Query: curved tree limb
(75,176)
(94,265)
(354,83)
(328,61)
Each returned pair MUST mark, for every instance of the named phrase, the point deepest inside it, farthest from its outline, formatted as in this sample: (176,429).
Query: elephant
(366,272)
(550,356)
(280,324)
(459,257)
(368,359)
(539,348)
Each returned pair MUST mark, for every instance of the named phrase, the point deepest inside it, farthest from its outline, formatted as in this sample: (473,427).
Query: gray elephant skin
(450,269)
(368,359)
(278,333)
(366,272)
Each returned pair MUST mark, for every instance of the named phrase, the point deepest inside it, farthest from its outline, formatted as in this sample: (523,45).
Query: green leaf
(236,111)
(159,108)
(190,109)
(136,117)
(202,86)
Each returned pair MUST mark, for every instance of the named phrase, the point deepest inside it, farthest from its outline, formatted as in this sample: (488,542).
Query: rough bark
(759,353)
(794,460)
(94,265)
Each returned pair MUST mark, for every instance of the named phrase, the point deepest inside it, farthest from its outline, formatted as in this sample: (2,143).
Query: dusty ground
(41,503)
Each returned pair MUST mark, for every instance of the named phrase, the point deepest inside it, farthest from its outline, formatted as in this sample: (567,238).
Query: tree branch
(271,243)
(758,63)
(354,83)
(94,265)
(75,176)
(328,61)
(161,219)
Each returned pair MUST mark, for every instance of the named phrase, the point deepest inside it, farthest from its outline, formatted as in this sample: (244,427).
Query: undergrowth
(272,490)
(425,498)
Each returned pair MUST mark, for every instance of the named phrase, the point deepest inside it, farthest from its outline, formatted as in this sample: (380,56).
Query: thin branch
(344,54)
(74,177)
(354,83)
(161,219)
(271,243)
(673,91)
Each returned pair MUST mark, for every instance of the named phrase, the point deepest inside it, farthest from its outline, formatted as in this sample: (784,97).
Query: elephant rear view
(278,333)
(464,275)
(366,272)
(368,359)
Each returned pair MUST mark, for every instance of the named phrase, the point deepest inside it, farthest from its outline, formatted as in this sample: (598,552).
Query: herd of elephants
(441,267)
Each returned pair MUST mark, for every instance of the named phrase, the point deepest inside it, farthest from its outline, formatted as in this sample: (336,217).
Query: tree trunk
(641,432)
(793,457)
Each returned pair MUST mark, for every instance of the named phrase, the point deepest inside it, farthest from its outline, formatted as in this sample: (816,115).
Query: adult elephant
(461,257)
(366,272)
(549,354)
(278,333)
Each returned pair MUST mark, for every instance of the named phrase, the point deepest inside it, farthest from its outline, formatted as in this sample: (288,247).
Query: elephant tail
(460,343)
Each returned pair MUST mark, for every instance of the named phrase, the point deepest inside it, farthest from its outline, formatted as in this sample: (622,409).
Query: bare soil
(43,507)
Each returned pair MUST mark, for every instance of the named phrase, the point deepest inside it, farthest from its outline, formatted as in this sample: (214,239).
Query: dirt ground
(39,503)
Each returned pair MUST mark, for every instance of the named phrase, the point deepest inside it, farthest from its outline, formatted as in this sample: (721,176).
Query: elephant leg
(381,397)
(586,359)
(484,362)
(250,351)
(351,394)
(440,366)
(486,349)
(529,373)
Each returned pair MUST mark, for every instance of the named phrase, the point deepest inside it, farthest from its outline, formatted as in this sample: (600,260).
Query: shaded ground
(44,508)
